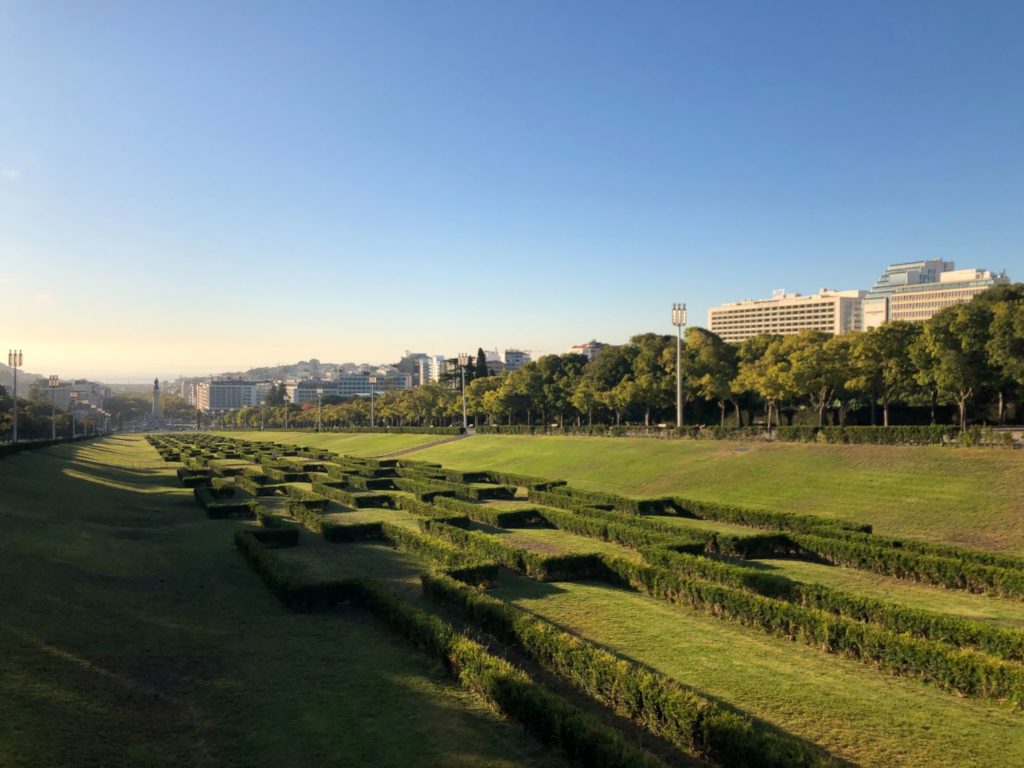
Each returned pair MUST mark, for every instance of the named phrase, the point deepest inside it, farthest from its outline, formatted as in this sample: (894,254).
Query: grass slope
(850,709)
(970,497)
(133,634)
(352,444)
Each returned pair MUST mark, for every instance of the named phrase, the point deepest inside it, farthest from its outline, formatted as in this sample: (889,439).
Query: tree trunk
(721,407)
(874,412)
(885,412)
(1002,407)
(647,416)
(962,405)
(739,417)
(935,403)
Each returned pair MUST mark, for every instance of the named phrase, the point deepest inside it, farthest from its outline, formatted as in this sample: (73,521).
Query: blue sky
(187,187)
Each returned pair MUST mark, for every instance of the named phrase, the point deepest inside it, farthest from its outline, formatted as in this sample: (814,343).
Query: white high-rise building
(230,394)
(834,312)
(920,302)
(896,278)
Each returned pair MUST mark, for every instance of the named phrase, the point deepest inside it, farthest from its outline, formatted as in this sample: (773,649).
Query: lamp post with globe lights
(679,321)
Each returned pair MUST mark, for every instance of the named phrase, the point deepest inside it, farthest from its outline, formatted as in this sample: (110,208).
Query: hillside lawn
(968,496)
(133,634)
(856,712)
(345,443)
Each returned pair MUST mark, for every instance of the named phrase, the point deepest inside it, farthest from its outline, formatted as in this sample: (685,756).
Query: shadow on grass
(513,586)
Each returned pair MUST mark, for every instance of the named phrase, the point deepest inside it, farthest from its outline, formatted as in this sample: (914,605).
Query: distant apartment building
(514,359)
(347,385)
(213,395)
(835,312)
(87,392)
(589,349)
(920,302)
(897,277)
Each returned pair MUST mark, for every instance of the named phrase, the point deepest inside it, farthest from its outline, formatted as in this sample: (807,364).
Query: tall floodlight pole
(14,360)
(73,407)
(679,321)
(372,380)
(319,407)
(54,383)
(463,361)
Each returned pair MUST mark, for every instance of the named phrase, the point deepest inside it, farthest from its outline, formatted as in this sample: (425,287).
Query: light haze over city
(192,187)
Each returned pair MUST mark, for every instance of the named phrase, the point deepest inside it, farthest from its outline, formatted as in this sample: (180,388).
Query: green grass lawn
(399,517)
(691,524)
(854,711)
(551,541)
(1000,611)
(971,497)
(345,443)
(133,634)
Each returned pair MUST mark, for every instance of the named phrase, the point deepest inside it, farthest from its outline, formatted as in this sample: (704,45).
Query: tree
(477,396)
(1005,347)
(816,368)
(482,370)
(653,372)
(954,348)
(277,396)
(881,366)
(763,369)
(711,369)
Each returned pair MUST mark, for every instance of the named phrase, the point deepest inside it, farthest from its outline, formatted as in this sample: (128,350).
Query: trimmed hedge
(954,630)
(949,572)
(548,717)
(339,492)
(218,504)
(487,547)
(485,513)
(964,671)
(656,702)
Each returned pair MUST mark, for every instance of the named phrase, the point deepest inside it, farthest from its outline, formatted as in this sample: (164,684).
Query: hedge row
(337,491)
(425,490)
(896,435)
(550,718)
(940,550)
(949,572)
(762,518)
(964,671)
(483,546)
(486,513)
(661,705)
(251,484)
(219,504)
(1005,643)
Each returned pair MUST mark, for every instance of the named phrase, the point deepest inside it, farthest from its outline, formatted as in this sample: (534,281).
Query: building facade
(590,349)
(87,392)
(895,278)
(213,395)
(347,385)
(920,302)
(515,358)
(835,312)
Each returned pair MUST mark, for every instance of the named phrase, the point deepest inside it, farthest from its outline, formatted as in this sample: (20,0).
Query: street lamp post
(372,380)
(463,361)
(14,360)
(679,321)
(319,407)
(73,407)
(54,383)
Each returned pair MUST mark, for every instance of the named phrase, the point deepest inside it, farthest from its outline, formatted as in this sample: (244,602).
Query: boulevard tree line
(969,357)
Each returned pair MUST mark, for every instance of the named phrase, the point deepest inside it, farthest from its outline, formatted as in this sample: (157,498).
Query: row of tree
(970,356)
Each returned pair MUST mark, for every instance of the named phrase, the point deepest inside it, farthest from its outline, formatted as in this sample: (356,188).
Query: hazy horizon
(189,189)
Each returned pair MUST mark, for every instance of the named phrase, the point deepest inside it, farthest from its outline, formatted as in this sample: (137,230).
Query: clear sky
(189,187)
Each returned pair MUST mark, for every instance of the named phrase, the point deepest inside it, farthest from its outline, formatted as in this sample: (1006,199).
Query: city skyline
(188,189)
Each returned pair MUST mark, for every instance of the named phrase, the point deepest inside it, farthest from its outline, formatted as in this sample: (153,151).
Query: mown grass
(345,443)
(551,541)
(133,634)
(999,611)
(852,710)
(970,497)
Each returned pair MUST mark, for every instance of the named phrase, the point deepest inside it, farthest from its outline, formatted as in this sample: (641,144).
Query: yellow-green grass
(345,443)
(551,541)
(399,517)
(321,560)
(133,634)
(970,497)
(714,526)
(854,711)
(999,611)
